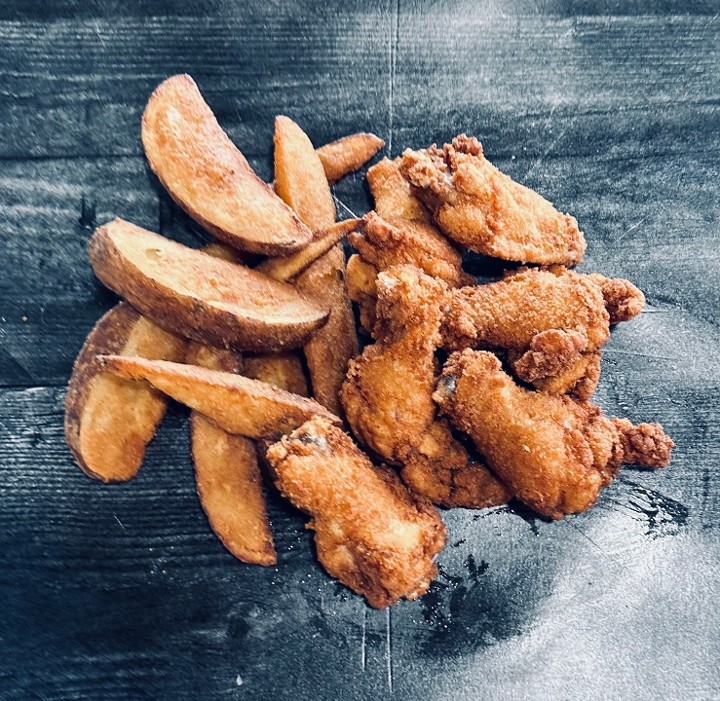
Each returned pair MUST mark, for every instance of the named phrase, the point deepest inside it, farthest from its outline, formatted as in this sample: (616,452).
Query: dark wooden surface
(122,592)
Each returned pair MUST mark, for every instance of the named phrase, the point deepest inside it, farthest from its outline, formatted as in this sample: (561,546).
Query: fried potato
(208,176)
(281,370)
(227,475)
(224,252)
(348,154)
(330,350)
(288,267)
(109,420)
(299,176)
(199,296)
(236,404)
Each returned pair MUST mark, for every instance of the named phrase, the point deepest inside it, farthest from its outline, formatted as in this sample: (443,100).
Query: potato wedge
(288,267)
(227,474)
(208,176)
(348,154)
(109,420)
(299,176)
(199,296)
(224,252)
(237,404)
(328,352)
(392,195)
(281,370)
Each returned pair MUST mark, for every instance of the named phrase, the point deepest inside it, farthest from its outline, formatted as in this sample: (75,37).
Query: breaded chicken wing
(554,453)
(388,395)
(481,208)
(371,532)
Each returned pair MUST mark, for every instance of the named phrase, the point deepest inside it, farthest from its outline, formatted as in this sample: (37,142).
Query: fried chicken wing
(479,207)
(360,277)
(371,532)
(388,395)
(623,300)
(554,453)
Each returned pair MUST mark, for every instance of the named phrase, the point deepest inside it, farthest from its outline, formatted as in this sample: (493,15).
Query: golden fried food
(409,242)
(392,194)
(299,176)
(282,370)
(348,154)
(331,348)
(387,394)
(227,475)
(479,207)
(554,453)
(109,420)
(623,300)
(360,277)
(644,444)
(288,267)
(207,175)
(579,379)
(440,469)
(237,404)
(371,533)
(547,318)
(200,296)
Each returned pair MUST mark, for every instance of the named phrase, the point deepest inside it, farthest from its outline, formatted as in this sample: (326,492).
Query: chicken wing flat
(481,208)
(388,391)
(360,277)
(371,532)
(554,453)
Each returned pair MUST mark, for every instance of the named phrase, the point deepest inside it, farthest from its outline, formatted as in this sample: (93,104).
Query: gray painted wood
(122,592)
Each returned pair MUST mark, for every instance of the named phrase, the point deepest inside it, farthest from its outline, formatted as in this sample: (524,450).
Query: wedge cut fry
(109,420)
(288,267)
(236,404)
(281,370)
(208,176)
(227,474)
(348,154)
(224,252)
(299,176)
(199,296)
(329,351)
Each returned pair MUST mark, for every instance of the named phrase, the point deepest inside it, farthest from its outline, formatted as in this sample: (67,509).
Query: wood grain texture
(610,109)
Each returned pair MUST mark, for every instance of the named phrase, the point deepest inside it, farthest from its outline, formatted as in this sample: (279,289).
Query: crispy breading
(371,532)
(481,208)
(623,300)
(554,453)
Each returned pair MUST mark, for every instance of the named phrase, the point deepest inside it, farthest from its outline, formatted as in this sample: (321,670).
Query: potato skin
(122,449)
(180,302)
(208,176)
(348,154)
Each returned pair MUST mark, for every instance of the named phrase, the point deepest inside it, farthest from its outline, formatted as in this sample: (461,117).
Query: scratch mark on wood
(394,39)
(363,638)
(586,536)
(119,521)
(625,233)
(338,201)
(640,355)
(388,648)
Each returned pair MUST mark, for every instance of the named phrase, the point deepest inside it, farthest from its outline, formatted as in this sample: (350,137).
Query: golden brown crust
(281,370)
(288,267)
(387,393)
(237,404)
(207,175)
(227,475)
(109,421)
(200,296)
(371,532)
(512,313)
(553,453)
(579,379)
(481,208)
(360,277)
(623,300)
(392,194)
(348,154)
(299,176)
(441,470)
(384,244)
(644,444)
(330,350)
